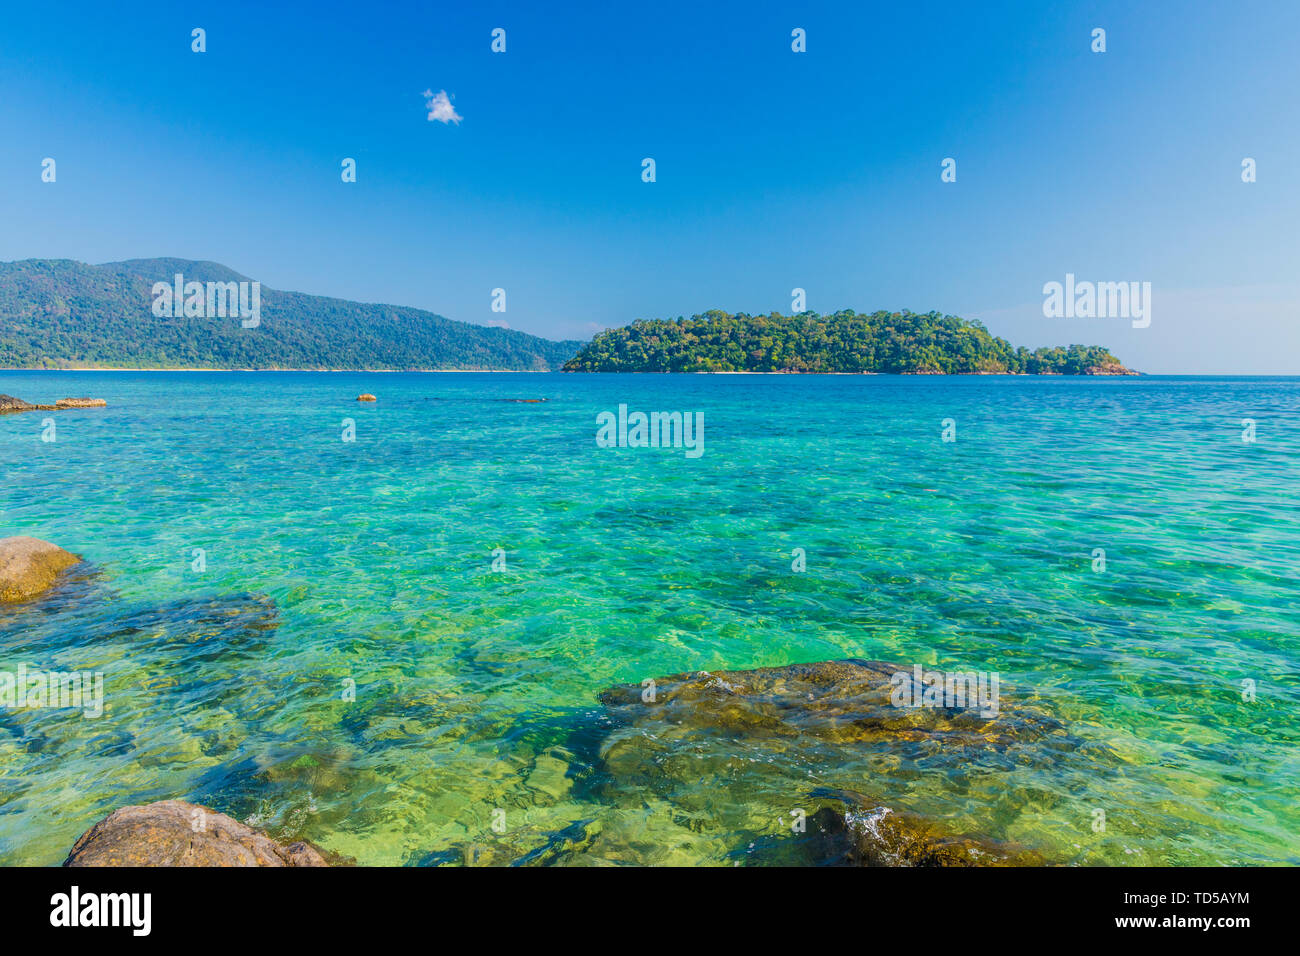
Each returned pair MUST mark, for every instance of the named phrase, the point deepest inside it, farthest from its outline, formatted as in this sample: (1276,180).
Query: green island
(847,341)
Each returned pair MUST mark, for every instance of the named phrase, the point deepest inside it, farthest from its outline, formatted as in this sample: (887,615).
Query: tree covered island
(889,342)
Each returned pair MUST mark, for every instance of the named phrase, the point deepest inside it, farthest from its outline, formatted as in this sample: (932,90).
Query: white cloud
(440,107)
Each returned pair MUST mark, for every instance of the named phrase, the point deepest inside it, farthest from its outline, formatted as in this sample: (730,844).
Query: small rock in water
(29,567)
(10,404)
(367,397)
(176,833)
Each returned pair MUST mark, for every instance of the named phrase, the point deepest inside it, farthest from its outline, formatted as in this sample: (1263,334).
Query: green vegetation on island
(58,313)
(890,342)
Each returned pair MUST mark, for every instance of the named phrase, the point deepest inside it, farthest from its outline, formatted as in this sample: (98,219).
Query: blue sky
(775,169)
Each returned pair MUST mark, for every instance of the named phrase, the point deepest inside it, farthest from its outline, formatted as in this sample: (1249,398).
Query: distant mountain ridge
(60,313)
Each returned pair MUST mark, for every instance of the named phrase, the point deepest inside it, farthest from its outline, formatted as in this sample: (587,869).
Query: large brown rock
(10,404)
(29,567)
(176,833)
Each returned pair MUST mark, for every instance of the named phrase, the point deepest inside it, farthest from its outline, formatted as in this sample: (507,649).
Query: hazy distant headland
(182,314)
(58,313)
(847,342)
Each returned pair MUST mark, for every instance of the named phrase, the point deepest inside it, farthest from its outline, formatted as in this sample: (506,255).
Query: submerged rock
(228,628)
(176,833)
(524,846)
(29,567)
(236,617)
(727,748)
(844,701)
(855,833)
(878,836)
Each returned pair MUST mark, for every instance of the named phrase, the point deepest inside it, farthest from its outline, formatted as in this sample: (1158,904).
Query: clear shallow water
(477,690)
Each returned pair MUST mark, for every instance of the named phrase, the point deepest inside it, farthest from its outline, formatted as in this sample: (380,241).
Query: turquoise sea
(329,563)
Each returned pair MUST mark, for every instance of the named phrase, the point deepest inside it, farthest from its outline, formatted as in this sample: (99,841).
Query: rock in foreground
(29,567)
(176,833)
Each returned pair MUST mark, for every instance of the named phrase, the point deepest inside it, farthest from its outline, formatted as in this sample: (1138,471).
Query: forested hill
(894,342)
(58,313)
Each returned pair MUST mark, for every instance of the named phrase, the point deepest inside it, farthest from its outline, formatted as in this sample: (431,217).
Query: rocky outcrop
(176,833)
(366,397)
(29,567)
(10,404)
(1109,370)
